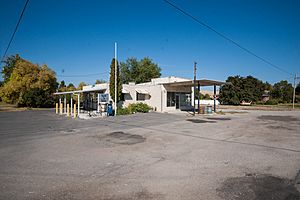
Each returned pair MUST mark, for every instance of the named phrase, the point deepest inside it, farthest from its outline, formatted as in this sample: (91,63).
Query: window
(122,98)
(183,99)
(170,99)
(140,97)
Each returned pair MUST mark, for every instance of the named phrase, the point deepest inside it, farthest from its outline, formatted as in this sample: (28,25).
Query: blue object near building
(109,109)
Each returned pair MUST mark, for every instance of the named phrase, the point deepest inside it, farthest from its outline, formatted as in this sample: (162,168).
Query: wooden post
(68,110)
(61,108)
(75,114)
(56,108)
(71,104)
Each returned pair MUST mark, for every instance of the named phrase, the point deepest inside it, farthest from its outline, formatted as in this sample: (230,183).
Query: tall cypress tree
(112,81)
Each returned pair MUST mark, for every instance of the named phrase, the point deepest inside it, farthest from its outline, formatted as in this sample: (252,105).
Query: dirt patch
(120,137)
(93,192)
(219,118)
(278,118)
(280,127)
(142,195)
(258,187)
(200,121)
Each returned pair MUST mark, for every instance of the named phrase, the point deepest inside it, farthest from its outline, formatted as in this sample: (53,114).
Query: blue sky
(77,37)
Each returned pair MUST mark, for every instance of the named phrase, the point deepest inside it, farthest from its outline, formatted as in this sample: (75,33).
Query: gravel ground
(247,155)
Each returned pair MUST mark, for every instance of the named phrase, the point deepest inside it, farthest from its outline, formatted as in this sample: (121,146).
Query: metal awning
(141,91)
(124,91)
(202,82)
(68,92)
(94,90)
(80,91)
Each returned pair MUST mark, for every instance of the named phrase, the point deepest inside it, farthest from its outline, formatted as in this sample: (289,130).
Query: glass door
(177,101)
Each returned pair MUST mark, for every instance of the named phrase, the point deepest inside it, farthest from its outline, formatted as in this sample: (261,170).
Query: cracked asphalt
(252,155)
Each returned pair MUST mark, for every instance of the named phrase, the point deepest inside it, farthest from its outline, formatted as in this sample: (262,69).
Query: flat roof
(80,91)
(202,82)
(69,92)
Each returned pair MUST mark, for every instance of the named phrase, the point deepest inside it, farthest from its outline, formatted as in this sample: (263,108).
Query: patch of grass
(5,107)
(221,112)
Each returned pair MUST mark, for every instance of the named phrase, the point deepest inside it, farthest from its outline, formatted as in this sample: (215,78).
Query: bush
(258,103)
(272,102)
(36,98)
(134,108)
(123,111)
(139,107)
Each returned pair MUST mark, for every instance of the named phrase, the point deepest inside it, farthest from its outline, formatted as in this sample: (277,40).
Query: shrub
(258,103)
(272,102)
(123,111)
(139,107)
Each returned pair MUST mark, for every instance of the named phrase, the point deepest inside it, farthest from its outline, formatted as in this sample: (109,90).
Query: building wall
(153,99)
(157,97)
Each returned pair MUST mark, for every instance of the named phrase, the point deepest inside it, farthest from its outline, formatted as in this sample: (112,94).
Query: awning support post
(78,104)
(195,68)
(71,104)
(215,97)
(198,97)
(65,104)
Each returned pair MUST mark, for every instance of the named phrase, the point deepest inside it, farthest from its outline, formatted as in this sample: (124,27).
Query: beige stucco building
(165,94)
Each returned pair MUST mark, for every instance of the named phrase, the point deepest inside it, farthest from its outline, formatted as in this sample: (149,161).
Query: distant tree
(112,81)
(9,65)
(282,91)
(268,86)
(29,85)
(242,89)
(71,87)
(80,85)
(100,81)
(62,86)
(206,96)
(139,71)
(202,96)
(1,83)
(298,89)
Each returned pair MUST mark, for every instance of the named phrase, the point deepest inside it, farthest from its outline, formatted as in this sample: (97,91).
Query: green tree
(62,86)
(71,87)
(282,91)
(242,88)
(298,89)
(9,65)
(99,81)
(29,85)
(139,71)
(202,96)
(112,81)
(80,85)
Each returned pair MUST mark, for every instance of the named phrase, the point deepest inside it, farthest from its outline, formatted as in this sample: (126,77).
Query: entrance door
(177,101)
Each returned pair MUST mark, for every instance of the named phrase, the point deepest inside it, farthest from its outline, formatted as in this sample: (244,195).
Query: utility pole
(116,79)
(195,69)
(294,94)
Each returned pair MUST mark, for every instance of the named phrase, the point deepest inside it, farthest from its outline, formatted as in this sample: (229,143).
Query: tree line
(250,89)
(33,85)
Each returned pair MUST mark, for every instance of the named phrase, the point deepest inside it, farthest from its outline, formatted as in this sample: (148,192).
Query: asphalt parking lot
(253,155)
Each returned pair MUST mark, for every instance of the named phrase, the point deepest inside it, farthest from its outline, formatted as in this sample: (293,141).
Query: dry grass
(4,107)
(278,107)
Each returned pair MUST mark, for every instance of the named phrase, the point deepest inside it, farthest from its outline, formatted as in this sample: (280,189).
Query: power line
(16,28)
(227,38)
(84,75)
